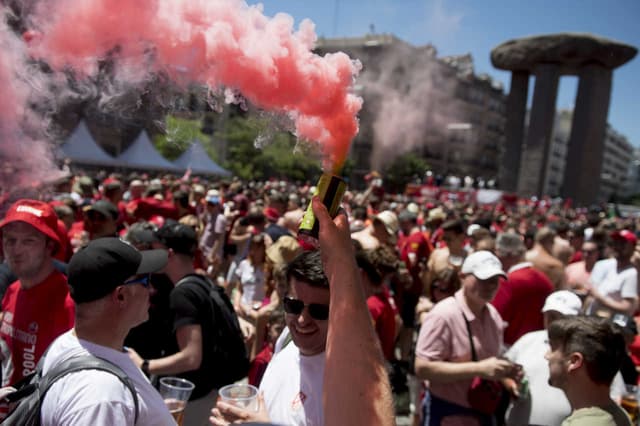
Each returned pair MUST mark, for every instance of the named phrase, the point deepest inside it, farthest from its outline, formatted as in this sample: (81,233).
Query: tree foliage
(276,156)
(179,134)
(403,170)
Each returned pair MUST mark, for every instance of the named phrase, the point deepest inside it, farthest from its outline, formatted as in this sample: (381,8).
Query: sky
(469,26)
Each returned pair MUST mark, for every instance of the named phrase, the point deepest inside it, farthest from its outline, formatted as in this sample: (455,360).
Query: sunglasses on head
(318,311)
(145,280)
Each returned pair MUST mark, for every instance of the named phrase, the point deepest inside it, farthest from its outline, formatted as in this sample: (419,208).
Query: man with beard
(585,355)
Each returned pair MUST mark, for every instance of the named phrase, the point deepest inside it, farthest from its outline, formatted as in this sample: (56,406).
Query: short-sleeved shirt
(252,280)
(414,248)
(383,315)
(32,319)
(611,283)
(97,397)
(444,337)
(190,305)
(213,231)
(292,388)
(520,299)
(612,415)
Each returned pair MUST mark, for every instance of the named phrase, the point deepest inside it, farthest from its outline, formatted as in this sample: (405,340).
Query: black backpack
(230,352)
(32,389)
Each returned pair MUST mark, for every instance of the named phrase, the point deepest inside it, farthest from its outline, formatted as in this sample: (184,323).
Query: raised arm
(356,386)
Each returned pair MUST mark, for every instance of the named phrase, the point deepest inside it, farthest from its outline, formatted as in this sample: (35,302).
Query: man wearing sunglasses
(292,383)
(354,387)
(109,282)
(192,352)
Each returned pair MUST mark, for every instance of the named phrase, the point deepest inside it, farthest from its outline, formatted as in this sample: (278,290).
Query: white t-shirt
(252,280)
(97,398)
(292,386)
(545,405)
(609,282)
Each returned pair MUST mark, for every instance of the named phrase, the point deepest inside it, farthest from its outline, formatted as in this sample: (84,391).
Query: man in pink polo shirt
(443,351)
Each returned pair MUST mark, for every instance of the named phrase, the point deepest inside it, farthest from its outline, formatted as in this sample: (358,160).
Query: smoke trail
(407,93)
(218,43)
(25,157)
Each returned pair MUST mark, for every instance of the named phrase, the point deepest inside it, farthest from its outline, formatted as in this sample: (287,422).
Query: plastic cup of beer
(241,395)
(630,402)
(176,392)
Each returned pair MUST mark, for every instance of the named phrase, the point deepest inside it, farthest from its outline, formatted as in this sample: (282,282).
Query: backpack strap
(87,362)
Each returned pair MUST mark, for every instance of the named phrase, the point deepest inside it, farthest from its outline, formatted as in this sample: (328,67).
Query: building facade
(417,102)
(617,161)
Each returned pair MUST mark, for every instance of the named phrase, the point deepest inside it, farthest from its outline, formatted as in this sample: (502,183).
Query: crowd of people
(450,311)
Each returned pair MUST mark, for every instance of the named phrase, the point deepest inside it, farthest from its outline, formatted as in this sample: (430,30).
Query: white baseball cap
(563,301)
(483,264)
(389,220)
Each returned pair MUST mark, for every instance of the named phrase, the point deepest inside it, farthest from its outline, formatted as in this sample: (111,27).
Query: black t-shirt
(190,305)
(152,338)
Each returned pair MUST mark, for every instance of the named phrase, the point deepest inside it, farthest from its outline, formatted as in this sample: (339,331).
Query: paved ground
(403,421)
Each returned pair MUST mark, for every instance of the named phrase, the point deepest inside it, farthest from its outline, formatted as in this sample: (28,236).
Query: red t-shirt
(65,251)
(414,248)
(383,313)
(519,301)
(259,365)
(145,208)
(31,320)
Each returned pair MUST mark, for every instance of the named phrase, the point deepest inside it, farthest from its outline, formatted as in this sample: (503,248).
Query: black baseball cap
(105,263)
(105,208)
(178,237)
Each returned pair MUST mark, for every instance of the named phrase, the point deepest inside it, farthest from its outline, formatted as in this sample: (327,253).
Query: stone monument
(548,57)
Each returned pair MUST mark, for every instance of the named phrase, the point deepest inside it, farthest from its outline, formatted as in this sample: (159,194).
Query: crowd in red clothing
(409,247)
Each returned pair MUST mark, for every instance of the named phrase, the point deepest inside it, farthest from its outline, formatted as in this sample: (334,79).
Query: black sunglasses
(318,311)
(145,280)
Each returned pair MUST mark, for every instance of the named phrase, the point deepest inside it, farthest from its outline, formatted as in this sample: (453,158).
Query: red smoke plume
(219,43)
(25,160)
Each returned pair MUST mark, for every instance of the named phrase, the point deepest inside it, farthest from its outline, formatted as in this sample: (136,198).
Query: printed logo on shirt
(298,401)
(29,360)
(20,335)
(33,327)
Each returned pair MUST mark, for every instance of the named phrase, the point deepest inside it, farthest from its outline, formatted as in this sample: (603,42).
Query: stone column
(533,166)
(514,130)
(586,143)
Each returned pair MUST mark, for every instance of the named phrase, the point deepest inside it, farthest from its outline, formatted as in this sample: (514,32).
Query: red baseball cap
(625,235)
(38,214)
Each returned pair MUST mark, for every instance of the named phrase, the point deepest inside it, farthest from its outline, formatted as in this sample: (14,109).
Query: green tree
(403,170)
(179,134)
(277,158)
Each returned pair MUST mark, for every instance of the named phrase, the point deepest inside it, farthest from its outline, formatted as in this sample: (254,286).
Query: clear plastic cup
(176,392)
(240,395)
